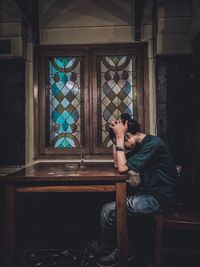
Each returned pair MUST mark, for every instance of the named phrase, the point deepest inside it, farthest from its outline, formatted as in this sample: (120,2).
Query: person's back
(154,162)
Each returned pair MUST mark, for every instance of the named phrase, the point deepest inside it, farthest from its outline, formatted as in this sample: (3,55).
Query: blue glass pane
(65,122)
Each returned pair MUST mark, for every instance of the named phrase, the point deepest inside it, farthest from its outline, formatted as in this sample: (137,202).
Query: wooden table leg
(9,225)
(122,234)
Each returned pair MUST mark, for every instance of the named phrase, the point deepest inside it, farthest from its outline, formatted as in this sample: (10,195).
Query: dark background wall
(178,116)
(12,111)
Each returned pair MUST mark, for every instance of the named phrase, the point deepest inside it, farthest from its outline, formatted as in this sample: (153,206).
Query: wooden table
(52,177)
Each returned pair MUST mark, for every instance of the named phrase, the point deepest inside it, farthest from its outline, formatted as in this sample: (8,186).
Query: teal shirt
(152,159)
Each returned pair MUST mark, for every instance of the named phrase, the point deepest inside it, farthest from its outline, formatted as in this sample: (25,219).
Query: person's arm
(121,156)
(120,130)
(114,155)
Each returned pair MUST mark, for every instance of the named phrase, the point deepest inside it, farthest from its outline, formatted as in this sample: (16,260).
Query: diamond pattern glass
(64,99)
(117,89)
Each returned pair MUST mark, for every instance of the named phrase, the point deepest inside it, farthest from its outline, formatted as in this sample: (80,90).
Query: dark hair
(133,127)
(124,117)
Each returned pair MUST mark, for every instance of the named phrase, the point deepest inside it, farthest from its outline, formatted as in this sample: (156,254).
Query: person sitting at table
(150,158)
(134,178)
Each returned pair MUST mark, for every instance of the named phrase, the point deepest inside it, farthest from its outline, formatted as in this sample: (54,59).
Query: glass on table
(71,167)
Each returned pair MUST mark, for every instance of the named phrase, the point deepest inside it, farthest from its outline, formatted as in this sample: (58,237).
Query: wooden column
(9,225)
(122,234)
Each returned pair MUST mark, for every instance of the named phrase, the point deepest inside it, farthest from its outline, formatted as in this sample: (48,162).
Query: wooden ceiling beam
(139,9)
(35,21)
(31,15)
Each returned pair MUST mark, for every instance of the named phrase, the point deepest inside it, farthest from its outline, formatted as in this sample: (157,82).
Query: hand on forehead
(118,126)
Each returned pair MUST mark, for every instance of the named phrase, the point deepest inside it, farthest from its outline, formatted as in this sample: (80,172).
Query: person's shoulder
(159,142)
(154,139)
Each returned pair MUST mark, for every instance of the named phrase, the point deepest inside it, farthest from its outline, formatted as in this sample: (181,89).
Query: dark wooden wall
(178,116)
(12,111)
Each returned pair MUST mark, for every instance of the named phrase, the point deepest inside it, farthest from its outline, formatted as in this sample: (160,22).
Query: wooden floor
(84,258)
(55,258)
(49,237)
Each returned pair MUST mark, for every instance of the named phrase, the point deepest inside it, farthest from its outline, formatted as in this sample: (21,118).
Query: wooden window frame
(91,149)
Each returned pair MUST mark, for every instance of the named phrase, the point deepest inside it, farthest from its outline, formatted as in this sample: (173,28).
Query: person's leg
(137,204)
(107,243)
(108,223)
(140,208)
(142,204)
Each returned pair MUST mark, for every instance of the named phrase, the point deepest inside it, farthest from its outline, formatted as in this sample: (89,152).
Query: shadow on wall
(12,110)
(178,114)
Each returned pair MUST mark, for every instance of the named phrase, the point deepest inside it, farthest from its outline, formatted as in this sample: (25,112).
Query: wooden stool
(184,219)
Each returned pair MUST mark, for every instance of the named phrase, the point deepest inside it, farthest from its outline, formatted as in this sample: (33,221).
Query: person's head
(133,126)
(132,134)
(124,117)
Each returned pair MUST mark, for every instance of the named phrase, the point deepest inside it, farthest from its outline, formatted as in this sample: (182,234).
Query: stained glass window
(64,99)
(79,90)
(117,89)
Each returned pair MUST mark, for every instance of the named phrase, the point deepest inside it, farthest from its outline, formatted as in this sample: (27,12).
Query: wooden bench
(182,219)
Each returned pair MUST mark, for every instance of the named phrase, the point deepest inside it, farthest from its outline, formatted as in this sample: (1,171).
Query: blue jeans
(136,204)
